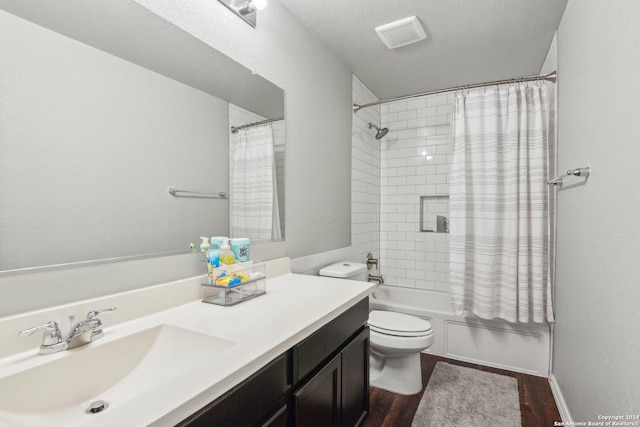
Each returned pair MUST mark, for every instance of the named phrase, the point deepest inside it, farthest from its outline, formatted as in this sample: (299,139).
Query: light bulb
(259,4)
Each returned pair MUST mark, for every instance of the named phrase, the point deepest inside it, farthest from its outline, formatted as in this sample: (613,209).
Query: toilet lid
(343,270)
(398,324)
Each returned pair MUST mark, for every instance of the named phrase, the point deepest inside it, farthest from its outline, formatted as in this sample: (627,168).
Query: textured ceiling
(468,41)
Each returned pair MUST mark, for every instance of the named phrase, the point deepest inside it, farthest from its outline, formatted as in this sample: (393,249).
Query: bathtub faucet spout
(374,278)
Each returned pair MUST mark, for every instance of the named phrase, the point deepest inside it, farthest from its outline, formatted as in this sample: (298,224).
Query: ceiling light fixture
(245,9)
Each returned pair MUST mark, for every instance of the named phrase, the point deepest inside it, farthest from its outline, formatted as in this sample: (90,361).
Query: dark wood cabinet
(253,402)
(331,372)
(338,394)
(355,380)
(322,381)
(318,402)
(311,352)
(279,419)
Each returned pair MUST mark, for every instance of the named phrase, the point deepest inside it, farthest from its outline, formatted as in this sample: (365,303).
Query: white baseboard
(560,403)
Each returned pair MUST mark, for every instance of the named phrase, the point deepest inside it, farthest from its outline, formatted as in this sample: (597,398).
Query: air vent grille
(401,33)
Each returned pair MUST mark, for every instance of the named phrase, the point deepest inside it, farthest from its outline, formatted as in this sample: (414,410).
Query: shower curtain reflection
(253,195)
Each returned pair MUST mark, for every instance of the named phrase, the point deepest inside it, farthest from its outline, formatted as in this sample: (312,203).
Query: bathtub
(517,347)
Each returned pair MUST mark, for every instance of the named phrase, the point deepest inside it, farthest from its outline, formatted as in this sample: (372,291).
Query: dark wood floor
(537,407)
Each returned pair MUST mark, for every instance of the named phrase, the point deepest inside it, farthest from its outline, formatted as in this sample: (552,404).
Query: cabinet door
(355,380)
(250,403)
(315,349)
(279,419)
(318,402)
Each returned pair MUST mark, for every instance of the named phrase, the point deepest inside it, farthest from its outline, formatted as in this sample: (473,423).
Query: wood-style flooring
(537,407)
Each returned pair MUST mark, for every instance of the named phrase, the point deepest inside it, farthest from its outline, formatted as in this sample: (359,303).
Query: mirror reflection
(256,176)
(105,106)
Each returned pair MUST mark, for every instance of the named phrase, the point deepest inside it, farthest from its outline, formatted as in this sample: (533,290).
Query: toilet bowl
(396,340)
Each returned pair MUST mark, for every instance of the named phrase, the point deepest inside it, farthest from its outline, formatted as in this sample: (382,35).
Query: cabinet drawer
(310,353)
(251,403)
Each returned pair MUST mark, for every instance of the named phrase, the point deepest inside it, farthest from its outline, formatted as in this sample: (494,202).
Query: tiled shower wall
(365,174)
(415,159)
(411,165)
(365,191)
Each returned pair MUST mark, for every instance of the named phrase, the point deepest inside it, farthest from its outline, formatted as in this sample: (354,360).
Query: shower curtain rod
(235,129)
(551,77)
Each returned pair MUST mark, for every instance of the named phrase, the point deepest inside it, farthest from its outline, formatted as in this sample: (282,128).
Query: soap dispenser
(205,244)
(226,256)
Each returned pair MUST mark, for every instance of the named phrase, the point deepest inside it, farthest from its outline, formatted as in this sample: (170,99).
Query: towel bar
(219,195)
(582,172)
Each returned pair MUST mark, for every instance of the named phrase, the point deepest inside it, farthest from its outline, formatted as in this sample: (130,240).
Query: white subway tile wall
(415,159)
(365,191)
(365,174)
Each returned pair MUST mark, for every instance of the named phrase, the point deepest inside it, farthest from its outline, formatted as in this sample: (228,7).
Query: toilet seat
(398,324)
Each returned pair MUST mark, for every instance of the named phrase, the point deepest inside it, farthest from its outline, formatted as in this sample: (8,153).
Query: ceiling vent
(401,33)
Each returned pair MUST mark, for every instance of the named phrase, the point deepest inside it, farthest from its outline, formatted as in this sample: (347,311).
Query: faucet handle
(51,335)
(98,333)
(371,261)
(94,313)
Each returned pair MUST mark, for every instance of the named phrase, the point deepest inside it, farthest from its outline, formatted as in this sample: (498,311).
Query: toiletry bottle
(205,244)
(217,241)
(213,258)
(240,249)
(226,256)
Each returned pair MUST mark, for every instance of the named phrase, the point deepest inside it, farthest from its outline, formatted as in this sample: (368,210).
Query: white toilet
(396,340)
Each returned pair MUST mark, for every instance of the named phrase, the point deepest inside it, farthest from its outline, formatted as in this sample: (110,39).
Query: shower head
(379,132)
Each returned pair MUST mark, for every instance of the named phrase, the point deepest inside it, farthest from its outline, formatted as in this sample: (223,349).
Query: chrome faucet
(79,334)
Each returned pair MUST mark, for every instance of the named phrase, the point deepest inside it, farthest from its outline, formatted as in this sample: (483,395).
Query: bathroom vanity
(321,381)
(297,355)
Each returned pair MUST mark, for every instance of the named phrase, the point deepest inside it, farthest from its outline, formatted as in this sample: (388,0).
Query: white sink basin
(112,371)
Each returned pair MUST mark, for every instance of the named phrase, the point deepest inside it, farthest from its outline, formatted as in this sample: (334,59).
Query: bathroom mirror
(104,106)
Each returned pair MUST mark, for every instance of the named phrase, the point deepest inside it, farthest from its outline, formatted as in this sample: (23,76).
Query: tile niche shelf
(434,213)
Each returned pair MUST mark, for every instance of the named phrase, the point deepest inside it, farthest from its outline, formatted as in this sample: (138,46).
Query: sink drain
(97,406)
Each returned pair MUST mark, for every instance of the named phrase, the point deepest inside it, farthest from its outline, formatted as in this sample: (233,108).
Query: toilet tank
(346,270)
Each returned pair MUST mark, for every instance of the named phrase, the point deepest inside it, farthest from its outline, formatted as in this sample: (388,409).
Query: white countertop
(261,329)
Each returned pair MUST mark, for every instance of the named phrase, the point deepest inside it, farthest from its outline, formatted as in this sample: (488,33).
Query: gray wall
(317,89)
(597,333)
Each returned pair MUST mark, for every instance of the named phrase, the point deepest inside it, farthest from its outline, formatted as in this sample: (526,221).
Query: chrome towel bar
(219,195)
(581,172)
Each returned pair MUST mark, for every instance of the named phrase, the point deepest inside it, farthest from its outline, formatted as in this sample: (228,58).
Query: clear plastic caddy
(232,284)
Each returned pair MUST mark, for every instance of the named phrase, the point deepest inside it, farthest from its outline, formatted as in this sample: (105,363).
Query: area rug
(465,397)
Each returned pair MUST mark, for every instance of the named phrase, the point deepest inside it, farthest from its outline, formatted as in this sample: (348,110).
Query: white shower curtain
(499,204)
(253,205)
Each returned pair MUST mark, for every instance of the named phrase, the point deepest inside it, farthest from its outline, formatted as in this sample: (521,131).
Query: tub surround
(261,329)
(519,347)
